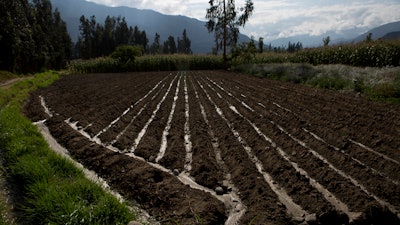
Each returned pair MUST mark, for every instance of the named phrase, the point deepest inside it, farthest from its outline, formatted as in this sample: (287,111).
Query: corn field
(371,54)
(374,54)
(149,63)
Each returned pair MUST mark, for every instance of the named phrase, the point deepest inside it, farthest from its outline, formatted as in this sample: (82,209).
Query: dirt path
(215,147)
(8,83)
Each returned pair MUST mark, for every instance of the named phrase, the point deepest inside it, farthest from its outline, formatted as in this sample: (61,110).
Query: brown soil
(344,143)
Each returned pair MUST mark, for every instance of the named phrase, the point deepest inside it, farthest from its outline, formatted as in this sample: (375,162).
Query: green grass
(54,191)
(5,75)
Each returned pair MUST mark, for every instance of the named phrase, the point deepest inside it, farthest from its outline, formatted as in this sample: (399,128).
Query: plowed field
(214,147)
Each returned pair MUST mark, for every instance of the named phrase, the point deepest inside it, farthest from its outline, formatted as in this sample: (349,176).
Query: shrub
(126,54)
(327,82)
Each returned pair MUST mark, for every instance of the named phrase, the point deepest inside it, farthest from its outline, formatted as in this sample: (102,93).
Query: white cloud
(296,19)
(273,18)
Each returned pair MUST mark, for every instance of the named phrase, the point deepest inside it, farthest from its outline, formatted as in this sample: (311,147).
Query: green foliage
(244,52)
(37,40)
(98,65)
(19,91)
(385,91)
(72,201)
(372,54)
(296,73)
(54,190)
(178,62)
(98,40)
(184,44)
(376,83)
(5,75)
(169,46)
(224,20)
(366,54)
(148,63)
(328,82)
(126,54)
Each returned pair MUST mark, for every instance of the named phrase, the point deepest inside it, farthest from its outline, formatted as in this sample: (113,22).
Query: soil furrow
(292,208)
(238,149)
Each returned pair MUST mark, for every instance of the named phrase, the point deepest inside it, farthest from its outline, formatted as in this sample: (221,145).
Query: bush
(125,54)
(327,82)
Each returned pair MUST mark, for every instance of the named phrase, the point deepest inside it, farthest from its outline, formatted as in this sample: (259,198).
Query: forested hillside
(33,37)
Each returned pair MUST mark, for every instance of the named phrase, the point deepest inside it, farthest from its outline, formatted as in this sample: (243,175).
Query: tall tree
(15,34)
(139,38)
(62,42)
(224,20)
(122,32)
(99,40)
(169,46)
(261,45)
(184,44)
(32,37)
(155,47)
(108,42)
(85,41)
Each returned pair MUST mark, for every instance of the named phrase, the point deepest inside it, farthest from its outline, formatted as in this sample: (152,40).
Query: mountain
(336,37)
(150,21)
(386,31)
(380,31)
(392,36)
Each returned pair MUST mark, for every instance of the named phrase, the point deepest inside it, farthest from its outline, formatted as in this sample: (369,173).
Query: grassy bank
(53,190)
(375,83)
(5,75)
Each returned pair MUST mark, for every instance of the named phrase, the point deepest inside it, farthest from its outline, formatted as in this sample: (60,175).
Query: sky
(274,19)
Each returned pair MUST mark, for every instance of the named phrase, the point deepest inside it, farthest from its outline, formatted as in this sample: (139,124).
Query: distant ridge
(392,36)
(148,20)
(380,32)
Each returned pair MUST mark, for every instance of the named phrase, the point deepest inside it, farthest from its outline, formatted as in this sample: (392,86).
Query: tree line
(98,40)
(32,37)
(182,45)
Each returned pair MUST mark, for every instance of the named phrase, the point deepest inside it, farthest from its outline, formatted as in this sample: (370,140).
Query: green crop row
(53,190)
(148,63)
(178,62)
(366,54)
(373,54)
(98,65)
